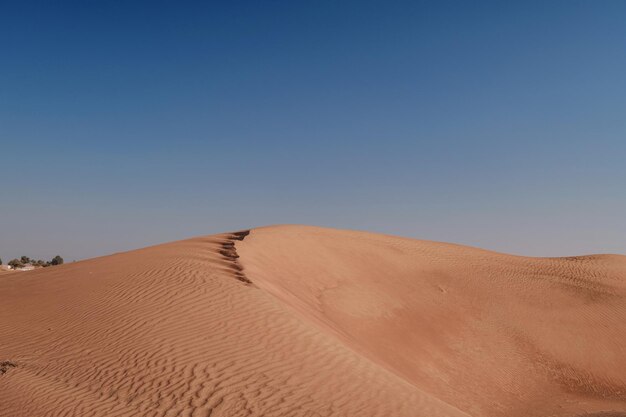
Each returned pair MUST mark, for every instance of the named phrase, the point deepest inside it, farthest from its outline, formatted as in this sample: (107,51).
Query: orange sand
(303,321)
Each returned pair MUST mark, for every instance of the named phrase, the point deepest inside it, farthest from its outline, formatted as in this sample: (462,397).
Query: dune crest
(178,330)
(304,321)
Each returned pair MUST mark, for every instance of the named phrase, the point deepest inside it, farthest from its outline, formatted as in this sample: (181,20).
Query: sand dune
(303,321)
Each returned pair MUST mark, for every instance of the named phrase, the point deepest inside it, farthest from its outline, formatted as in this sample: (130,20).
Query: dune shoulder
(490,333)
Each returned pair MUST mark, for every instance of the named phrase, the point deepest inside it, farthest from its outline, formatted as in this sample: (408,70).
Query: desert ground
(306,321)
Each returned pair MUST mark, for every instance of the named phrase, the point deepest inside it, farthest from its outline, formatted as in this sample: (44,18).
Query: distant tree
(38,262)
(0,261)
(25,259)
(57,260)
(16,263)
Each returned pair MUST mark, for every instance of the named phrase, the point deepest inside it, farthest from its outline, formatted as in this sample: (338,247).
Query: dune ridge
(307,321)
(177,330)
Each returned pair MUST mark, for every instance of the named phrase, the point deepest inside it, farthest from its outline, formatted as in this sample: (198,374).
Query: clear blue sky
(493,124)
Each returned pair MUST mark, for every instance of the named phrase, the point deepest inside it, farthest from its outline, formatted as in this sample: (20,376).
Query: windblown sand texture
(304,321)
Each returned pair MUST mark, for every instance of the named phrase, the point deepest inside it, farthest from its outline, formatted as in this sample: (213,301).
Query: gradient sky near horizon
(491,124)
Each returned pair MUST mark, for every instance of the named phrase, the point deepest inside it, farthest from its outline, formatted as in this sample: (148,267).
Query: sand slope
(176,330)
(492,334)
(302,321)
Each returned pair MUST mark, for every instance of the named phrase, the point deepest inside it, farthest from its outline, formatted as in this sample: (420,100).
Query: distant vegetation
(26,261)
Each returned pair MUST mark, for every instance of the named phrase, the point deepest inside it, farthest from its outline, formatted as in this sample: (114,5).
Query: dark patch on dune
(229,252)
(5,366)
(241,235)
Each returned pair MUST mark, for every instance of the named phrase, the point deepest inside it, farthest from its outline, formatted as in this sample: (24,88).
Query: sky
(500,125)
